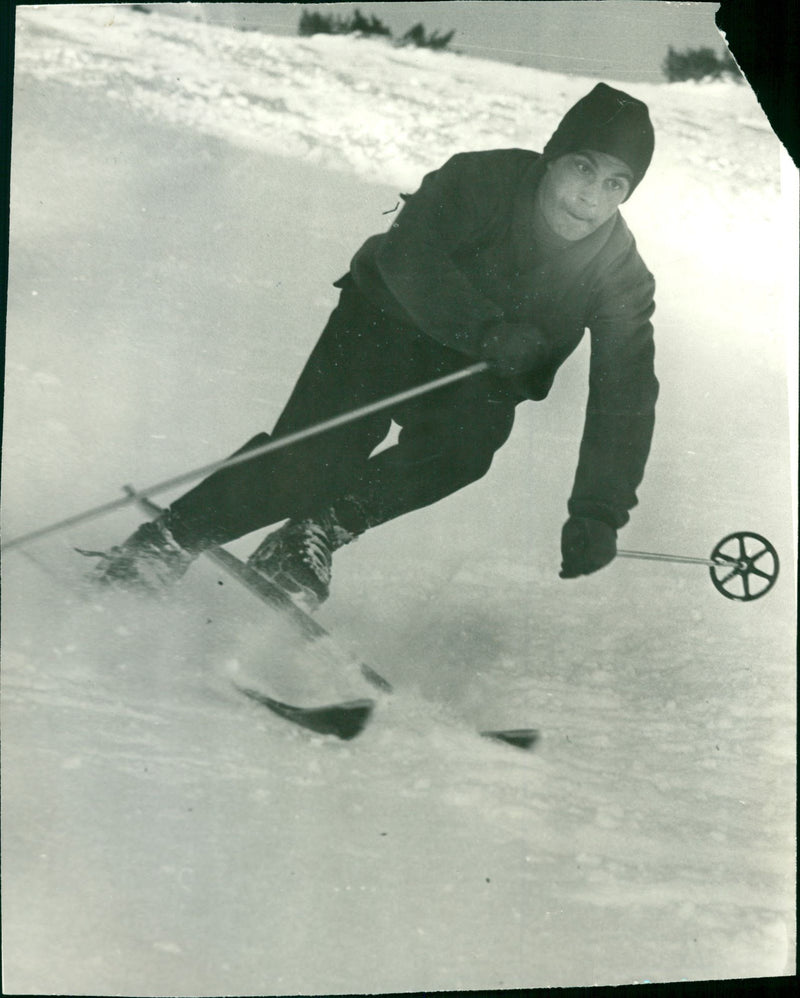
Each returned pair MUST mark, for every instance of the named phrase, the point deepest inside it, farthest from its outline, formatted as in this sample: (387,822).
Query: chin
(573,229)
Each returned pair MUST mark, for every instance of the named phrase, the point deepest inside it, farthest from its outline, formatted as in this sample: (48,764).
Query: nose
(588,193)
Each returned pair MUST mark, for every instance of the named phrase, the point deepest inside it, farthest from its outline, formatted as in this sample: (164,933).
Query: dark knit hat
(608,121)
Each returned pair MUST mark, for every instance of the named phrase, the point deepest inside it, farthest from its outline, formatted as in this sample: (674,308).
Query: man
(504,256)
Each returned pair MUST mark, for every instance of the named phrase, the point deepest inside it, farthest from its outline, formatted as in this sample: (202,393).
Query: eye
(616,185)
(582,166)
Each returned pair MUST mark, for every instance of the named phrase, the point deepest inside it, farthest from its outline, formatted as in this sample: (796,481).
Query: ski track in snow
(182,197)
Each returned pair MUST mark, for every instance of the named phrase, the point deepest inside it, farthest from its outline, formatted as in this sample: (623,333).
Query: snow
(183,195)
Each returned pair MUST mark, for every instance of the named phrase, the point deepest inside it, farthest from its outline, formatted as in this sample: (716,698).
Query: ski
(522,738)
(344,720)
(349,717)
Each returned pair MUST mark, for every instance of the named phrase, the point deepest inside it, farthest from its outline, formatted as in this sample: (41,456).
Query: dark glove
(512,348)
(586,546)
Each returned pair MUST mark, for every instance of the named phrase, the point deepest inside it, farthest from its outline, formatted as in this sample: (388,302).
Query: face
(582,190)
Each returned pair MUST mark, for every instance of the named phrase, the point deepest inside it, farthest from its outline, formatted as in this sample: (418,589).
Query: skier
(505,256)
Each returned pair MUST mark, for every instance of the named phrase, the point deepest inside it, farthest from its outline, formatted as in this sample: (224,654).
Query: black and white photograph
(398,501)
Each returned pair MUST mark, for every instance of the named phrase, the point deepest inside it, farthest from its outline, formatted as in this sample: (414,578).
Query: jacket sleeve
(415,258)
(623,389)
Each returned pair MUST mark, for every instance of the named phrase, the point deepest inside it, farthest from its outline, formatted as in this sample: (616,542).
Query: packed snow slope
(182,198)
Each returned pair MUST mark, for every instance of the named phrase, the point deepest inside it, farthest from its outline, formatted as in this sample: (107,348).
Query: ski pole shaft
(680,559)
(273,445)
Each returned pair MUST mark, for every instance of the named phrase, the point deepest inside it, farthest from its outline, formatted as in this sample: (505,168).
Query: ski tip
(521,738)
(343,720)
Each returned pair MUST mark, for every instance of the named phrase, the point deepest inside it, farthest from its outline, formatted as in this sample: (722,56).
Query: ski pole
(267,448)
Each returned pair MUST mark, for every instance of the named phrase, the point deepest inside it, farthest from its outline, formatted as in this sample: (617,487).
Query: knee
(473,446)
(463,438)
(474,462)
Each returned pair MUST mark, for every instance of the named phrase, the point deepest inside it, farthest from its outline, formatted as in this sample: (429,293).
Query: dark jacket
(459,258)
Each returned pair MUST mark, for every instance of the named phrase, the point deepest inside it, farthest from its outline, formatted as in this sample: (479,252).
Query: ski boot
(298,557)
(150,561)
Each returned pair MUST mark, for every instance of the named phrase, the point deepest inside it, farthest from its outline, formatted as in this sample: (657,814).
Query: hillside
(183,195)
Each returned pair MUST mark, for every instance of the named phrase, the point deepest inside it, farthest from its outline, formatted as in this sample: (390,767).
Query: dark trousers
(447,439)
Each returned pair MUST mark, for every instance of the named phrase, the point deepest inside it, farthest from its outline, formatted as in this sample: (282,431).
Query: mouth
(578,218)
